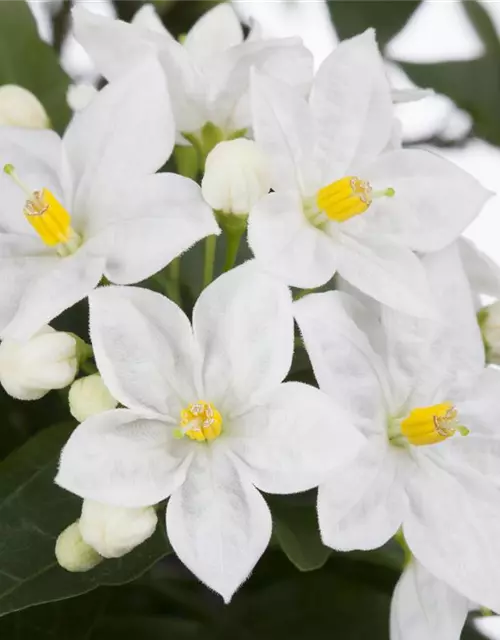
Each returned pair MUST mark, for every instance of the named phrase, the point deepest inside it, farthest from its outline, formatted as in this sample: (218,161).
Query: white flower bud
(29,370)
(489,321)
(236,176)
(73,553)
(78,96)
(88,396)
(114,531)
(20,108)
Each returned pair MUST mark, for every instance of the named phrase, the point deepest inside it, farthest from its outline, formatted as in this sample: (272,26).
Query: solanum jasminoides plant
(289,342)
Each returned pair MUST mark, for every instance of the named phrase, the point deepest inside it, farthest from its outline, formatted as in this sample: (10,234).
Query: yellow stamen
(200,421)
(430,425)
(347,198)
(45,213)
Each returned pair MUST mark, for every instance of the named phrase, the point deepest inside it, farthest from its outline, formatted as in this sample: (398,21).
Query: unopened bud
(20,108)
(236,176)
(489,322)
(89,396)
(73,553)
(29,370)
(114,531)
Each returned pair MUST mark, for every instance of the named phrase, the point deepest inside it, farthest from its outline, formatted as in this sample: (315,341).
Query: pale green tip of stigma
(178,434)
(9,169)
(390,193)
(463,431)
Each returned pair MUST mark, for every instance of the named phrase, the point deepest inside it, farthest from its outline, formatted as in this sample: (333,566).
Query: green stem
(304,292)
(233,240)
(172,283)
(208,268)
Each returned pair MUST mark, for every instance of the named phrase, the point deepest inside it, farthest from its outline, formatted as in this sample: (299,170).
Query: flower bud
(114,531)
(88,396)
(20,108)
(489,322)
(236,176)
(29,370)
(73,553)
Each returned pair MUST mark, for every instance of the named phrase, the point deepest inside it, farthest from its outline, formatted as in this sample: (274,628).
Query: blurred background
(450,46)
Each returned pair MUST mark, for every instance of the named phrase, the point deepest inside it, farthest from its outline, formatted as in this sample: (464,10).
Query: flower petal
(287,245)
(244,325)
(424,607)
(434,199)
(216,31)
(126,131)
(352,106)
(144,349)
(218,524)
(148,223)
(344,362)
(452,530)
(482,272)
(123,459)
(283,128)
(62,283)
(385,271)
(291,442)
(362,504)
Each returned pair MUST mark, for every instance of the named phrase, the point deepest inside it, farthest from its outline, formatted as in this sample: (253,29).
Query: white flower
(73,210)
(73,553)
(20,108)
(426,608)
(115,531)
(208,419)
(430,412)
(208,74)
(80,95)
(88,396)
(343,204)
(29,370)
(236,176)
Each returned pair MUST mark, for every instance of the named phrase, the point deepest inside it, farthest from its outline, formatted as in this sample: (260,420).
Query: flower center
(48,217)
(429,425)
(348,197)
(200,421)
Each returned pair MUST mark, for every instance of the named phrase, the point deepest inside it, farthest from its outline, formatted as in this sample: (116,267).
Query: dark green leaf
(27,61)
(483,24)
(388,17)
(295,527)
(474,85)
(33,511)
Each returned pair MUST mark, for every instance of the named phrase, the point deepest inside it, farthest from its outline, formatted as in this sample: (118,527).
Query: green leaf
(472,84)
(31,63)
(388,17)
(295,527)
(33,511)
(483,24)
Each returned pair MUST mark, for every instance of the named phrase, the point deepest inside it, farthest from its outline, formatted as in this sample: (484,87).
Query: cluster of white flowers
(402,435)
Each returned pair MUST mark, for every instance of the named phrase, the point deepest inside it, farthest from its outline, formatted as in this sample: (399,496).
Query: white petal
(126,131)
(122,459)
(443,355)
(424,607)
(244,325)
(283,128)
(144,349)
(452,530)
(147,223)
(287,245)
(482,272)
(362,504)
(344,362)
(291,442)
(479,406)
(386,271)
(147,18)
(352,106)
(218,524)
(66,282)
(434,201)
(217,30)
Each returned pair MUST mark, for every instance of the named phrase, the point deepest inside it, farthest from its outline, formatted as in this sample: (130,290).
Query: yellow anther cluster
(48,217)
(201,421)
(345,198)
(430,425)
